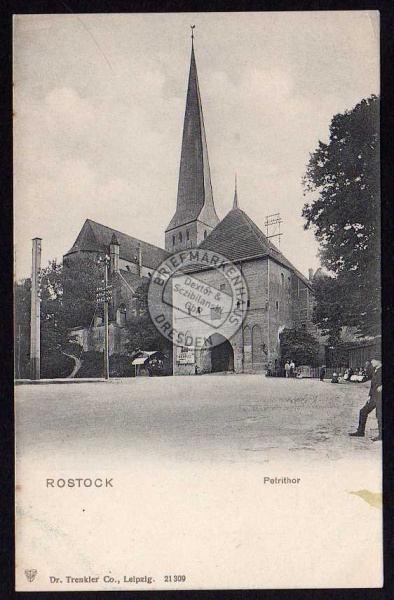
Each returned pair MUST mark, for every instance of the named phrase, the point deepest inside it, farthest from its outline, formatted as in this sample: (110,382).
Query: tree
(344,175)
(68,299)
(54,334)
(22,327)
(142,332)
(300,346)
(80,277)
(329,310)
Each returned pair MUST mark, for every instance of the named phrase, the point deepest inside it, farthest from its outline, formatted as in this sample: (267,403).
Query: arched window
(180,236)
(187,234)
(247,345)
(283,278)
(205,234)
(173,240)
(247,336)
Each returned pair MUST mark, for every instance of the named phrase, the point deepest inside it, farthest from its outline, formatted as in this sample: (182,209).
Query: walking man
(322,372)
(374,401)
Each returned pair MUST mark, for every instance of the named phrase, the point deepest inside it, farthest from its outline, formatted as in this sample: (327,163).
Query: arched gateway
(218,356)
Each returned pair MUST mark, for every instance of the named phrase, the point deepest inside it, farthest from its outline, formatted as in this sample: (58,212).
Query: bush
(93,365)
(56,365)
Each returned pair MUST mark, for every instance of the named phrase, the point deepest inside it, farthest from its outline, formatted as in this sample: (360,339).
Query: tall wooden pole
(35,310)
(106,333)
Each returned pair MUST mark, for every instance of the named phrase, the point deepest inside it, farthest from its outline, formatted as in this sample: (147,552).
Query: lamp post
(104,295)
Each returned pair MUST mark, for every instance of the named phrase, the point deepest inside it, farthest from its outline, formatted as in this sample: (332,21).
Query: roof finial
(235,204)
(192,27)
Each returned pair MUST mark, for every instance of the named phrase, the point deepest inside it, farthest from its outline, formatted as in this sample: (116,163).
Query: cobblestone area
(235,418)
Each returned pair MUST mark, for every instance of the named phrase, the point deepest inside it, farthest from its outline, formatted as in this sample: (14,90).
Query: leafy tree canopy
(343,178)
(142,332)
(299,346)
(80,277)
(68,299)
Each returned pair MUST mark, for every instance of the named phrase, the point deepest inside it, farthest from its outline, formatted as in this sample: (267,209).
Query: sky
(99,102)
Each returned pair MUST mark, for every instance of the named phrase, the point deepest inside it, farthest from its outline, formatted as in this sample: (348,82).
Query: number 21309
(174,578)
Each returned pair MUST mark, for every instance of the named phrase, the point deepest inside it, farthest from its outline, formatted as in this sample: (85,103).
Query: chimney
(310,274)
(114,254)
(35,350)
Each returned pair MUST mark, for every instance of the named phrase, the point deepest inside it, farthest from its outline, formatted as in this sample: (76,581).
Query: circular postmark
(197,297)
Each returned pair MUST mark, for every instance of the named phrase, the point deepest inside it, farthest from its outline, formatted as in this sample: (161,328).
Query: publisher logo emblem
(30,574)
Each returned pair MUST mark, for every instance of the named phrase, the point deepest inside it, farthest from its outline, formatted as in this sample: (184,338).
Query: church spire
(235,204)
(195,214)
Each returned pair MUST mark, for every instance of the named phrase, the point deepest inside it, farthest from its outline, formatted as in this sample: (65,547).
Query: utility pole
(273,221)
(104,295)
(35,310)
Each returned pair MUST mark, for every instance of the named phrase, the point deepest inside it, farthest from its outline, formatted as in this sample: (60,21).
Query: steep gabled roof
(95,237)
(194,186)
(237,237)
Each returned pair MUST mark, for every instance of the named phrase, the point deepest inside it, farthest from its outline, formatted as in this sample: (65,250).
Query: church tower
(195,214)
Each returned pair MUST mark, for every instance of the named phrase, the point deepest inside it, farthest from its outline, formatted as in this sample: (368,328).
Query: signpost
(104,295)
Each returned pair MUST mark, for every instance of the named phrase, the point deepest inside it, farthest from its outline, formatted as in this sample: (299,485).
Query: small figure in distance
(335,378)
(322,373)
(374,401)
(287,368)
(292,368)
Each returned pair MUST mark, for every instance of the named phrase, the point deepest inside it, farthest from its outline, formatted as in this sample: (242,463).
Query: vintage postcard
(197,301)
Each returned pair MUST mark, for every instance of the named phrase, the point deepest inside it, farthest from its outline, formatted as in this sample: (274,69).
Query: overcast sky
(99,107)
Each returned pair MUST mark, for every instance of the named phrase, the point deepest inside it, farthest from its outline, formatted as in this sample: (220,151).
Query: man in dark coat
(374,401)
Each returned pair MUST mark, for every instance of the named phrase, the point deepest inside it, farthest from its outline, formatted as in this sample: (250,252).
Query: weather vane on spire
(235,204)
(192,27)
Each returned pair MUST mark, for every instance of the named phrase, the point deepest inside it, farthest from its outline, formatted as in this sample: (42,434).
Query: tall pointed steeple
(195,214)
(235,204)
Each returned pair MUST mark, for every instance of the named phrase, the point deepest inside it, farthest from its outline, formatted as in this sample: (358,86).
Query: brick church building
(279,295)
